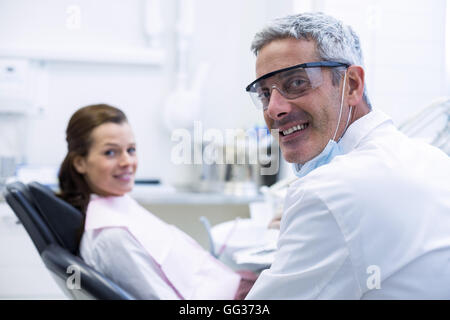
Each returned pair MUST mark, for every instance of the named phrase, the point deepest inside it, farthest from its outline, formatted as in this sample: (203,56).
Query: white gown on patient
(148,257)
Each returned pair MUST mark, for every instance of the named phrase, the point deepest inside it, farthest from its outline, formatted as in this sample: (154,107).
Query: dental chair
(53,226)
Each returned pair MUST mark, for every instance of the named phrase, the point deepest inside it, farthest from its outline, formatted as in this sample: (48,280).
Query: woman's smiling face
(110,165)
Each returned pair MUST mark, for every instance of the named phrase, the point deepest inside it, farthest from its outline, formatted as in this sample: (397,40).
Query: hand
(276,220)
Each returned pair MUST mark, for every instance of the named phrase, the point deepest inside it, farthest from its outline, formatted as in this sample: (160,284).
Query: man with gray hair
(369,215)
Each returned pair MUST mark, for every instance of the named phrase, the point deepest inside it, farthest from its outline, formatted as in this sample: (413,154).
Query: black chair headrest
(63,219)
(19,198)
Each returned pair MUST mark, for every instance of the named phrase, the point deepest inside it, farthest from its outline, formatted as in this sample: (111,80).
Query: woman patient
(141,253)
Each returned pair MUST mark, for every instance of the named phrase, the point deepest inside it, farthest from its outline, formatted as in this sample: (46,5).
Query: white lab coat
(374,223)
(149,258)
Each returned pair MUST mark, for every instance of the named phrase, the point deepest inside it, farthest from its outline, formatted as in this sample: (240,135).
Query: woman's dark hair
(73,187)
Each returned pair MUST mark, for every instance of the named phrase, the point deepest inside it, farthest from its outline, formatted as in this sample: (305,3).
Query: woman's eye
(132,150)
(109,153)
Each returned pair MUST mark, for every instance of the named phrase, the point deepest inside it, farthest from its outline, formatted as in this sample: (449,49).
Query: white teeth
(123,175)
(295,128)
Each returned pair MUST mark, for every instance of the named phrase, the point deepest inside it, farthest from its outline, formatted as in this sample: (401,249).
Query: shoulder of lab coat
(313,260)
(115,252)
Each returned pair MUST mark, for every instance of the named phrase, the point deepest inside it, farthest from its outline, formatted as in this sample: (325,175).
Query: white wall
(136,89)
(404,48)
(403,43)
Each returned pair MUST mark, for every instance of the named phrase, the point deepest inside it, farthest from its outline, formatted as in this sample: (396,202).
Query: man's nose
(278,106)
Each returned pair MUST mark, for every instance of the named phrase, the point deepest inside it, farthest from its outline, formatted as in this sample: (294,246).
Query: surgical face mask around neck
(331,150)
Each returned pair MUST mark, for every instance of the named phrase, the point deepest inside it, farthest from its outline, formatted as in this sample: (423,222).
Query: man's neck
(360,111)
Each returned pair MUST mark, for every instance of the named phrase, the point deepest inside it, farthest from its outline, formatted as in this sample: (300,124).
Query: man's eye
(131,150)
(264,94)
(296,84)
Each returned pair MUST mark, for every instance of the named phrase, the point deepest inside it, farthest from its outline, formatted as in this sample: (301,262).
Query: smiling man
(369,216)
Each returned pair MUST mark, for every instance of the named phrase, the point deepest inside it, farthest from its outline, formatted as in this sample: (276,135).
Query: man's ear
(355,76)
(79,163)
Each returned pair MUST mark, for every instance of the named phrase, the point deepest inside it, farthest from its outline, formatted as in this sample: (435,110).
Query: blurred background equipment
(234,162)
(22,95)
(7,170)
(431,124)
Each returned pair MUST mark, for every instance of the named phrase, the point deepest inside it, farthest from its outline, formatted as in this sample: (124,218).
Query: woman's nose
(278,105)
(126,159)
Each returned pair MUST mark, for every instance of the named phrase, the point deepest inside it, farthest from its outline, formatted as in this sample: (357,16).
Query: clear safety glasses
(292,82)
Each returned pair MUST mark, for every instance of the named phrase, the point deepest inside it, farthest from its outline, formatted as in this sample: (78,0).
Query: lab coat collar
(361,128)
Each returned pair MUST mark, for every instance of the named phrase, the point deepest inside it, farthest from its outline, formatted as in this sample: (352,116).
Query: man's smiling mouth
(295,128)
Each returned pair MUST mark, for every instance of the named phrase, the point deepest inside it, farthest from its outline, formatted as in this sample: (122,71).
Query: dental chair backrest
(64,221)
(54,227)
(19,198)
